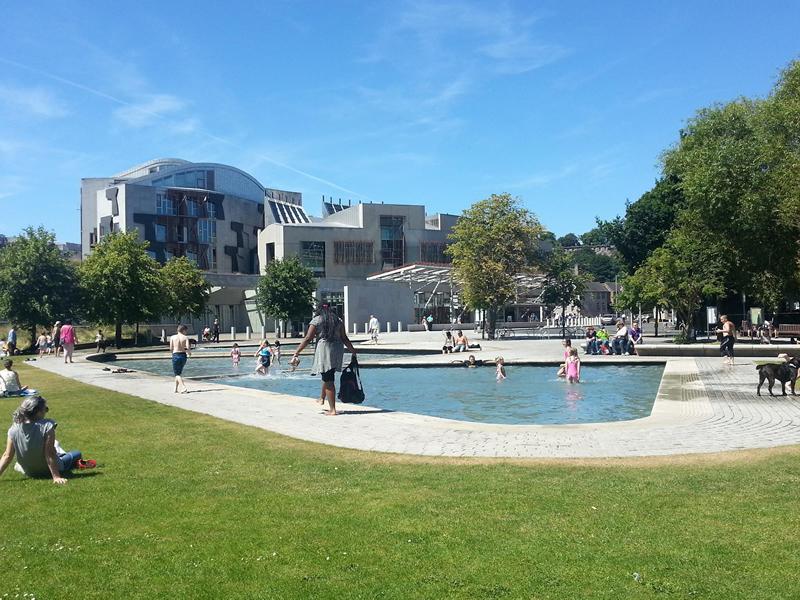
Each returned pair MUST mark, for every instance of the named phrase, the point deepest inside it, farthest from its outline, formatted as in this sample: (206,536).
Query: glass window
(211,259)
(192,208)
(211,210)
(192,256)
(245,240)
(164,205)
(168,254)
(312,255)
(161,233)
(433,252)
(392,241)
(353,253)
(151,254)
(206,231)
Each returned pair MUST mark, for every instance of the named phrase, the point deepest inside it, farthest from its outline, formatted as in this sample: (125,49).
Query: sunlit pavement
(701,407)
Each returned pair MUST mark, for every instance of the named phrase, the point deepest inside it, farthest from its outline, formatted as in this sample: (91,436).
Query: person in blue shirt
(264,358)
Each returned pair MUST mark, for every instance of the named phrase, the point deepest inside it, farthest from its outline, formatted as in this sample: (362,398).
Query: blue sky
(566,105)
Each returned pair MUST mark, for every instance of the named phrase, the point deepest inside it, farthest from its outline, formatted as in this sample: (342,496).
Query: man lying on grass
(32,439)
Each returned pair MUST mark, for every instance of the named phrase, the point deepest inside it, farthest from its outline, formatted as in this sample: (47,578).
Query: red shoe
(85,463)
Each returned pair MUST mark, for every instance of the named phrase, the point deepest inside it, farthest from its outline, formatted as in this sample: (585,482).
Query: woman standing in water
(331,340)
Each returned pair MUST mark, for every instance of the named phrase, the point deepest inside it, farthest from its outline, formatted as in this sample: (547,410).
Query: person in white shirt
(374,328)
(620,341)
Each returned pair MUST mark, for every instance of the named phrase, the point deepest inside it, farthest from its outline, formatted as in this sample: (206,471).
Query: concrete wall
(387,300)
(89,188)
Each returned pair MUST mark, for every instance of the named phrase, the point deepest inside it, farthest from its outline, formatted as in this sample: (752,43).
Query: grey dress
(330,351)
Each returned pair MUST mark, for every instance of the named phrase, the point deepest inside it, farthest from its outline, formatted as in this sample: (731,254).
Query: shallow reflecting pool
(529,394)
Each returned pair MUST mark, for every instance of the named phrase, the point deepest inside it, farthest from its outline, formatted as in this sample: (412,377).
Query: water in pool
(529,395)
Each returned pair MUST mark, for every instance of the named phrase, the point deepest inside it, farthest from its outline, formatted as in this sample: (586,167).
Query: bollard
(388,327)
(355,329)
(233,333)
(366,327)
(247,332)
(399,326)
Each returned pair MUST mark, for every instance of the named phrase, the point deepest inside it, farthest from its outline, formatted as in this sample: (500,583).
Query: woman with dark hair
(331,337)
(32,440)
(728,332)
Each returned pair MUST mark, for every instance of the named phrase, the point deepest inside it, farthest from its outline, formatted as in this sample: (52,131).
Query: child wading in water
(562,370)
(276,352)
(500,373)
(573,366)
(236,354)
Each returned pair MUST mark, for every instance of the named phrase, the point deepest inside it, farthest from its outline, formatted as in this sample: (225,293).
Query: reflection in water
(528,395)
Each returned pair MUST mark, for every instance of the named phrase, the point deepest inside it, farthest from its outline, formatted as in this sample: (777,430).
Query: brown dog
(783,372)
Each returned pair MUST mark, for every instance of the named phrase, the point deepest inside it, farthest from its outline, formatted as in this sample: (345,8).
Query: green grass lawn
(188,506)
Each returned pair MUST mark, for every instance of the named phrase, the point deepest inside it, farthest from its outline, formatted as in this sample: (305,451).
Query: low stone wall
(711,350)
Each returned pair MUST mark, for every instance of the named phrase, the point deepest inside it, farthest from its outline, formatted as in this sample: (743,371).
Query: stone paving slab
(701,407)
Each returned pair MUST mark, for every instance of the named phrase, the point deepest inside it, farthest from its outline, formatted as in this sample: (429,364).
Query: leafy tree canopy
(598,267)
(120,283)
(286,290)
(569,239)
(563,286)
(186,290)
(646,223)
(738,165)
(494,240)
(38,283)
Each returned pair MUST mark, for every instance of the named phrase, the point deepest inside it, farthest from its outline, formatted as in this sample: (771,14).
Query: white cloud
(36,101)
(150,109)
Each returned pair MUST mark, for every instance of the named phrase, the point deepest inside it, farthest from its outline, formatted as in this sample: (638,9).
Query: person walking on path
(68,340)
(11,341)
(181,350)
(329,331)
(57,338)
(728,332)
(374,328)
(41,343)
(32,441)
(215,331)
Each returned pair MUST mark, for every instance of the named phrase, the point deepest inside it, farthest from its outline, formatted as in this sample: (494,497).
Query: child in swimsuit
(235,355)
(263,356)
(500,373)
(562,370)
(276,352)
(573,366)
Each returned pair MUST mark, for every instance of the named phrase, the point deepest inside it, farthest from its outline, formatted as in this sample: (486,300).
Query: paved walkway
(701,407)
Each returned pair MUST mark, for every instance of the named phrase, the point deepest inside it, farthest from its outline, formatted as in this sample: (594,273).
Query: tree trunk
(658,316)
(492,326)
(118,334)
(33,337)
(136,339)
(563,321)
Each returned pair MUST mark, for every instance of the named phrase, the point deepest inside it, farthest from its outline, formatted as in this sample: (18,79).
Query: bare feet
(321,401)
(331,413)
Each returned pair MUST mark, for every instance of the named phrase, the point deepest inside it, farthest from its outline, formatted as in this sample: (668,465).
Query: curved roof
(144,168)
(228,179)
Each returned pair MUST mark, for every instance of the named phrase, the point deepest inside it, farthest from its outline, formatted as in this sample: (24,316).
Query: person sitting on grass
(9,381)
(32,441)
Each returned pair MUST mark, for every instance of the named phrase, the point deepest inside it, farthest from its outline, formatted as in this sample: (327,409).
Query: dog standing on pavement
(783,372)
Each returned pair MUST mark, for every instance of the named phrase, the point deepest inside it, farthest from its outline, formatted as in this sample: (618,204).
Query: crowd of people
(623,340)
(59,341)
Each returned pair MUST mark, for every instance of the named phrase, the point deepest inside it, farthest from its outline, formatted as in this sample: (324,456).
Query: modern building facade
(232,227)
(350,243)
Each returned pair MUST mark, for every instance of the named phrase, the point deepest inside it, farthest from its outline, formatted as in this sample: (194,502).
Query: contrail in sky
(210,136)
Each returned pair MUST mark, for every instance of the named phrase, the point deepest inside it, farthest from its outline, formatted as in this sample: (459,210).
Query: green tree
(739,169)
(646,223)
(563,287)
(494,240)
(596,237)
(186,290)
(120,283)
(569,240)
(599,267)
(286,290)
(38,283)
(680,274)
